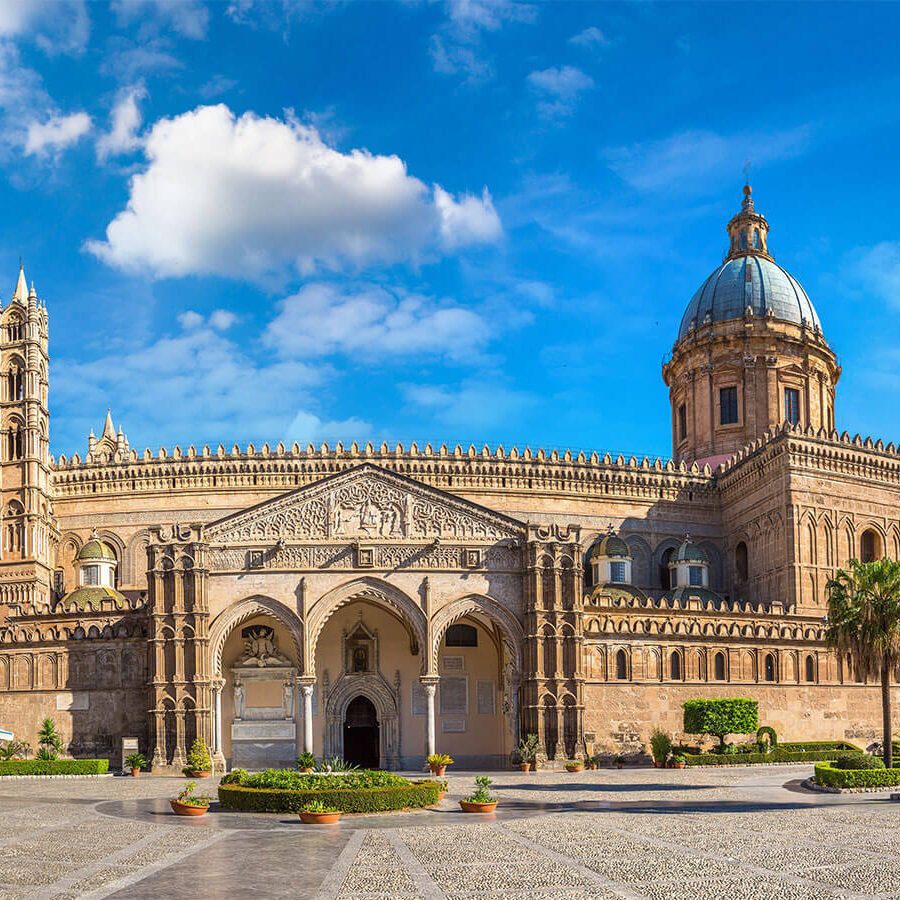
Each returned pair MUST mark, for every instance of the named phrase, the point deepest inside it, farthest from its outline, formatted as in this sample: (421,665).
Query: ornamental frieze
(364,504)
(345,556)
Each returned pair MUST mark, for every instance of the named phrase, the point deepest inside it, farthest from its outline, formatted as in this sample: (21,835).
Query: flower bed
(829,776)
(783,753)
(281,791)
(54,767)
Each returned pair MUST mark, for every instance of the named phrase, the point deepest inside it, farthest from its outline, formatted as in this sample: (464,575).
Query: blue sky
(474,222)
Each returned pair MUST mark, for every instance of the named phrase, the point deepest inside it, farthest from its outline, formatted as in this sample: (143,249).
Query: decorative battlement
(283,467)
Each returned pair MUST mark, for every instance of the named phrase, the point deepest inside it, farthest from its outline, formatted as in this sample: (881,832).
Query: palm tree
(864,622)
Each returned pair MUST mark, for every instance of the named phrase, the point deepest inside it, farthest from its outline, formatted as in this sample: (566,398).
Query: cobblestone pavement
(751,833)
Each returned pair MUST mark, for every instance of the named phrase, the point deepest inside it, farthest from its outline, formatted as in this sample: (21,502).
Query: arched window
(744,239)
(869,546)
(770,667)
(740,561)
(15,383)
(14,329)
(756,239)
(665,573)
(461,635)
(14,442)
(621,666)
(675,667)
(719,666)
(810,669)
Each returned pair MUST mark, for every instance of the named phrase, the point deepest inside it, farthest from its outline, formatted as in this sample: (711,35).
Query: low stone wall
(621,715)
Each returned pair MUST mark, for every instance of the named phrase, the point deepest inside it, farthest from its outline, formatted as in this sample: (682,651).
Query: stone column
(179,759)
(218,686)
(159,743)
(307,688)
(429,685)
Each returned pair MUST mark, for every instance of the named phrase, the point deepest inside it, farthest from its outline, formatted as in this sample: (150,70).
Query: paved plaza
(751,833)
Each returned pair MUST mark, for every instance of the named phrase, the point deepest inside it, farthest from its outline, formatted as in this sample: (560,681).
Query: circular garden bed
(282,791)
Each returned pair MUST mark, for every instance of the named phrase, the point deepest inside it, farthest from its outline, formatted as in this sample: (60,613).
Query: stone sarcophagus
(264,730)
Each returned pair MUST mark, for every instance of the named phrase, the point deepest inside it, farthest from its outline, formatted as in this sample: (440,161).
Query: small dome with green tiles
(611,546)
(92,598)
(96,549)
(690,552)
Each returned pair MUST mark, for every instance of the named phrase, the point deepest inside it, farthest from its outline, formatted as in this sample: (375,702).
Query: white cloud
(307,427)
(877,270)
(690,158)
(592,38)
(197,385)
(469,220)
(56,133)
(127,60)
(559,89)
(254,197)
(187,18)
(457,48)
(57,26)
(222,319)
(122,136)
(369,321)
(476,403)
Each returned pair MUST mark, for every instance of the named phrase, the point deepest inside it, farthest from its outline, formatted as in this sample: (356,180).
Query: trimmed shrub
(858,761)
(779,755)
(292,780)
(54,767)
(736,715)
(818,745)
(828,776)
(410,795)
(769,732)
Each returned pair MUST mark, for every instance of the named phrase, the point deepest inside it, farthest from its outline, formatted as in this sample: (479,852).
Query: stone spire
(748,230)
(109,430)
(21,291)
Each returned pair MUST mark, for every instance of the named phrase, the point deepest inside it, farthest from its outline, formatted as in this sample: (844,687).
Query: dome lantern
(748,230)
(610,560)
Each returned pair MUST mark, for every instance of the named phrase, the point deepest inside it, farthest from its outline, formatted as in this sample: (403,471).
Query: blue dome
(750,280)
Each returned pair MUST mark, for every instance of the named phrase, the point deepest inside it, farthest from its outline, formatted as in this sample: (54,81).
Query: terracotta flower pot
(438,770)
(680,765)
(619,765)
(135,772)
(576,768)
(311,818)
(185,809)
(306,771)
(470,807)
(657,764)
(441,795)
(525,767)
(200,773)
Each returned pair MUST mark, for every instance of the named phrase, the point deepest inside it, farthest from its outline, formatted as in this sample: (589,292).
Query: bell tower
(28,534)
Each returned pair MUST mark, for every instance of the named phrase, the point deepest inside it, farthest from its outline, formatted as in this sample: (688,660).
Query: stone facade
(352,567)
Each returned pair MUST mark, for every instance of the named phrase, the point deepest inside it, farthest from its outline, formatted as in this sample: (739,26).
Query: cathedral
(381,603)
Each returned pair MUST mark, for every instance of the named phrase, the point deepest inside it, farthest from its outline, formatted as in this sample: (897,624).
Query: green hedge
(54,767)
(361,800)
(819,745)
(828,776)
(779,755)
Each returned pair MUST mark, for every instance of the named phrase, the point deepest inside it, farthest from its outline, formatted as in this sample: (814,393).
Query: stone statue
(287,698)
(238,699)
(260,648)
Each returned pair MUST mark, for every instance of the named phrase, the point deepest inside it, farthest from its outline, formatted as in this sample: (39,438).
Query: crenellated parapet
(283,468)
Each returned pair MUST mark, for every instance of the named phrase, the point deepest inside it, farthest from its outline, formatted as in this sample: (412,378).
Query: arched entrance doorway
(361,745)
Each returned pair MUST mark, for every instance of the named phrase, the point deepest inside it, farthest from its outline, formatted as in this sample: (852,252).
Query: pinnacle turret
(21,291)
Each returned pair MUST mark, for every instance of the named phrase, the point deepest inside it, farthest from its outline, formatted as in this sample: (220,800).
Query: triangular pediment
(367,504)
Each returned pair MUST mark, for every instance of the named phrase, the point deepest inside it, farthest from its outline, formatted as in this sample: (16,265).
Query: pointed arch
(234,615)
(376,591)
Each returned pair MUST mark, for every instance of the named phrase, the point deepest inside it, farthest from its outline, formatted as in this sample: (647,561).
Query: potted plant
(527,751)
(443,791)
(679,761)
(660,747)
(317,813)
(187,803)
(482,800)
(306,762)
(438,763)
(619,761)
(50,742)
(199,764)
(136,762)
(573,765)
